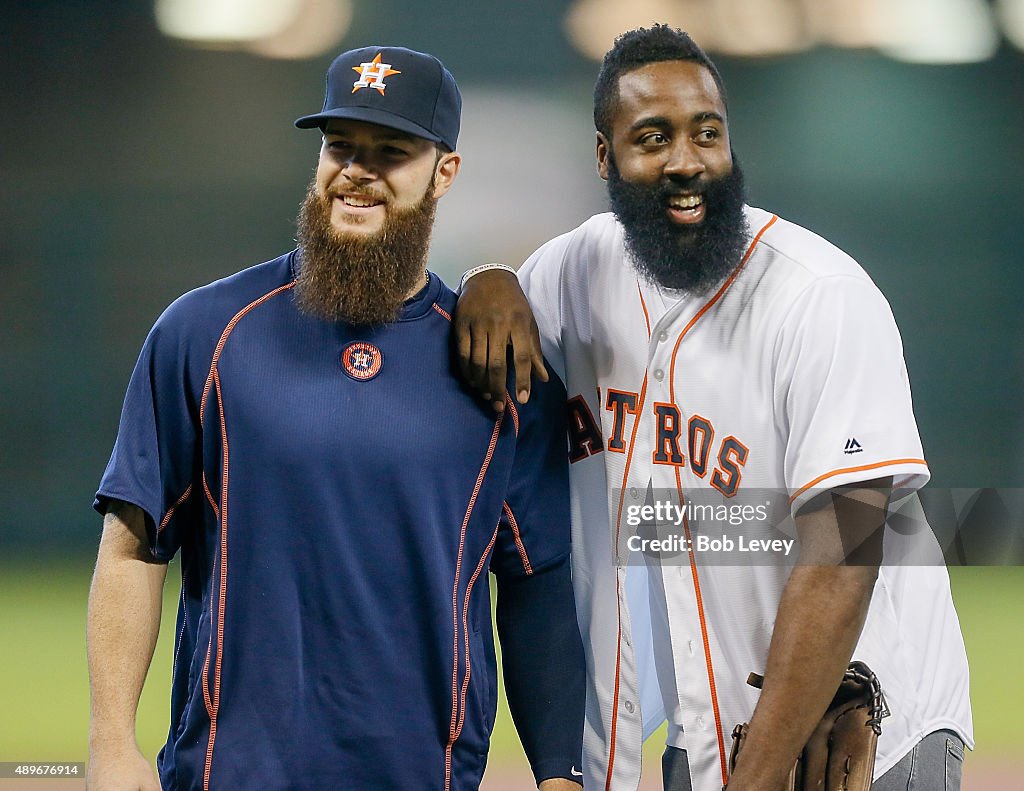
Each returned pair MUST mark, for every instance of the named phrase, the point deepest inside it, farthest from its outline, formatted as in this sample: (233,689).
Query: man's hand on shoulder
(559,784)
(126,770)
(493,313)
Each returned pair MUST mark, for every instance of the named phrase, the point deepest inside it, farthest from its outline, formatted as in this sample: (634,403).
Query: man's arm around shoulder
(493,317)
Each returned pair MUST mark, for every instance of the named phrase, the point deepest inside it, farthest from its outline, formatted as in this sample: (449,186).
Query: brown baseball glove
(840,755)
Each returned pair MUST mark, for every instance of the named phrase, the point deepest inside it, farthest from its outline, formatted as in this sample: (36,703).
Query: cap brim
(370,116)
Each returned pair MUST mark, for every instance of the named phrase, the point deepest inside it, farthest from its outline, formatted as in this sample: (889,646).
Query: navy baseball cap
(394,87)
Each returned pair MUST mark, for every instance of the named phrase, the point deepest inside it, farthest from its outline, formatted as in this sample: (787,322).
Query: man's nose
(358,167)
(684,161)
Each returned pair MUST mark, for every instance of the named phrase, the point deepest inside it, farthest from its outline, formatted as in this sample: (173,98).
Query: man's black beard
(357,278)
(693,258)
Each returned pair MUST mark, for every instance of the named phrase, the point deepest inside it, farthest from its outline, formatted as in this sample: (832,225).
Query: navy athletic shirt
(338,498)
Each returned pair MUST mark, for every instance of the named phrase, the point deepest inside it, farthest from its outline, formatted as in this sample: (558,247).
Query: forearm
(816,629)
(544,669)
(122,626)
(818,623)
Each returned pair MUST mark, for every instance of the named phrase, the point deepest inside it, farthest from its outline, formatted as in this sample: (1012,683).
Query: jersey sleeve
(157,452)
(541,280)
(534,528)
(842,387)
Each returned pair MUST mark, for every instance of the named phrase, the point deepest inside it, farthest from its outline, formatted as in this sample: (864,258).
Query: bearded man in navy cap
(297,433)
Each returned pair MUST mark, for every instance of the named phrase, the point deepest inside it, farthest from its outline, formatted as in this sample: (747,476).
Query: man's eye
(653,139)
(395,151)
(708,135)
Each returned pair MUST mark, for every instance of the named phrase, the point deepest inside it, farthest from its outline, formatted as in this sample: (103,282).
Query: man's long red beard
(358,278)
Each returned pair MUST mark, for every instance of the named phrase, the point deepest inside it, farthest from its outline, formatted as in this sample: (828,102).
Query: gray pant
(935,764)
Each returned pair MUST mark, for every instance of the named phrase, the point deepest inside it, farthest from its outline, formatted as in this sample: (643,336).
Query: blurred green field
(44,697)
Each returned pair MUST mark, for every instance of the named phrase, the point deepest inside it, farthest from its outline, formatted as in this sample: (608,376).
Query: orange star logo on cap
(372,74)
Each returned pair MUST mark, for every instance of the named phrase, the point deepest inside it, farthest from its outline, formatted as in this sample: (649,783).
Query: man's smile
(358,203)
(686,209)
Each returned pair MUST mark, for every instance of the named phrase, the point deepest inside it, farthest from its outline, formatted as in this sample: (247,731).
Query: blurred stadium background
(147,148)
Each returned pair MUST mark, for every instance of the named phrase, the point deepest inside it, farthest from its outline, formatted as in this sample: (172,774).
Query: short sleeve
(842,385)
(534,529)
(541,280)
(158,450)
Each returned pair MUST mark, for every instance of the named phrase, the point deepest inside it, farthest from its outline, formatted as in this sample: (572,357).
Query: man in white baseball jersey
(714,350)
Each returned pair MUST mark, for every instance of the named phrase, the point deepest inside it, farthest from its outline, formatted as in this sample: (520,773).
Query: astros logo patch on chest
(361,360)
(372,74)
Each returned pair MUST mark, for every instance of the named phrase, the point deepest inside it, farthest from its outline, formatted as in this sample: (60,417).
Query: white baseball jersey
(788,377)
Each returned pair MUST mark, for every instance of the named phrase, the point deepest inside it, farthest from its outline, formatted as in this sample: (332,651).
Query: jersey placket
(624,771)
(675,575)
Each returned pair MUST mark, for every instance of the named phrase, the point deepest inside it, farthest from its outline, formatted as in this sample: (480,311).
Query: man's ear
(445,171)
(604,151)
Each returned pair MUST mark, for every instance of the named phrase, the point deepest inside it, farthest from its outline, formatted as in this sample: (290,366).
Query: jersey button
(659,374)
(662,336)
(702,724)
(629,706)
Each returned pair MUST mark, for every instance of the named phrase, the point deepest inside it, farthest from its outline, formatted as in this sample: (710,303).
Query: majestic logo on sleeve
(852,446)
(362,361)
(372,74)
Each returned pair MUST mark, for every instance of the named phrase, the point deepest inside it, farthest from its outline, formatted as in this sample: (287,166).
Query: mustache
(670,185)
(336,191)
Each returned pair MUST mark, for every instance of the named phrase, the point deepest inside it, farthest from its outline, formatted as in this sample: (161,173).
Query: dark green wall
(132,169)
